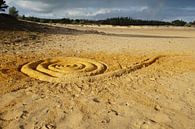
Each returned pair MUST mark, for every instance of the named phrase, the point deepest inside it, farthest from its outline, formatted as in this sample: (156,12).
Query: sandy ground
(147,81)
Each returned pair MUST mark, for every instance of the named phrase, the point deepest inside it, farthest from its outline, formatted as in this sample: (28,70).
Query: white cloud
(36,6)
(93,12)
(9,1)
(89,12)
(138,8)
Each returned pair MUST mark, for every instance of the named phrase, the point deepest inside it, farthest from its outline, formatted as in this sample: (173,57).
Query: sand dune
(79,77)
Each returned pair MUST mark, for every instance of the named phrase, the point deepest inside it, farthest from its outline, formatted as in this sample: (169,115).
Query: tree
(13,12)
(178,23)
(193,23)
(23,17)
(3,6)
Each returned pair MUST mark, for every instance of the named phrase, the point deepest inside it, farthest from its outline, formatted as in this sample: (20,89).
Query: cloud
(36,6)
(89,12)
(93,12)
(100,9)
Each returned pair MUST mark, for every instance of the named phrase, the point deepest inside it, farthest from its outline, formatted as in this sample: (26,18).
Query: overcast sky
(101,9)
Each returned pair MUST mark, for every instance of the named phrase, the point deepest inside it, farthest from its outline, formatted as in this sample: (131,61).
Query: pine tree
(3,5)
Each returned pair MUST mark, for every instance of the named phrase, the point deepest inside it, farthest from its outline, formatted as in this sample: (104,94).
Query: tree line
(117,21)
(120,21)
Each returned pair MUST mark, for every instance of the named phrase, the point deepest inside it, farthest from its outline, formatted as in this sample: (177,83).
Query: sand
(105,77)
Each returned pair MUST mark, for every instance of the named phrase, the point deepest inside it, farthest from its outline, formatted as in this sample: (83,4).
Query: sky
(101,9)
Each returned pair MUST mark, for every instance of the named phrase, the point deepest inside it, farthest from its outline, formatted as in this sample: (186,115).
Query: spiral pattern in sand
(62,69)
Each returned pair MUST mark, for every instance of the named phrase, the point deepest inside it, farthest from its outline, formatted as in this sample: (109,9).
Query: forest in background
(116,21)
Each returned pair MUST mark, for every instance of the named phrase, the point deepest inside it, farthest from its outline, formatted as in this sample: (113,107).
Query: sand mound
(63,69)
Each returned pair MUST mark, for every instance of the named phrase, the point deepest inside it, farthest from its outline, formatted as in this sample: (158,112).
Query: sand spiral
(73,68)
(62,69)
